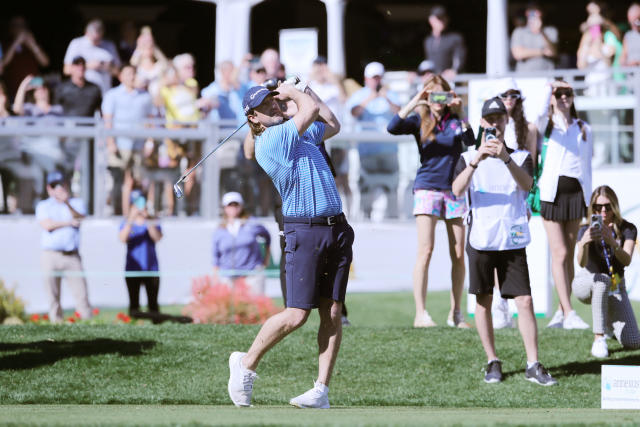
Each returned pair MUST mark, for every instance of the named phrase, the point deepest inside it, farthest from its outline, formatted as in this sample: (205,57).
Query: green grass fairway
(387,373)
(276,416)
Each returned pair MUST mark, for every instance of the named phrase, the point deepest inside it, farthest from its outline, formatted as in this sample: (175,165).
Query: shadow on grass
(39,353)
(592,366)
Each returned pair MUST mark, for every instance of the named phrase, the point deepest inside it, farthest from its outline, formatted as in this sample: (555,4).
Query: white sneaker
(424,321)
(557,320)
(500,314)
(240,380)
(317,397)
(599,348)
(573,321)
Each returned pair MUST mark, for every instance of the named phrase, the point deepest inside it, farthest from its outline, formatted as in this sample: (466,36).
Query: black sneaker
(539,375)
(494,372)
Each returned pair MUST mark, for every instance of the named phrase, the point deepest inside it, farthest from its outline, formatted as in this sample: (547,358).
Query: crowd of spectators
(154,86)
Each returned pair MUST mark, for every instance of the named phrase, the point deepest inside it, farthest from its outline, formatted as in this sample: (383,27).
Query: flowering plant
(214,302)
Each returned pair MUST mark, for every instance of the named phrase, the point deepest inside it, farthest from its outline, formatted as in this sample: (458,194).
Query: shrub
(10,305)
(219,303)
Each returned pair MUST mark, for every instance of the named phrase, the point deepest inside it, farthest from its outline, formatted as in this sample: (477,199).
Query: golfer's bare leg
(528,326)
(329,337)
(274,329)
(484,324)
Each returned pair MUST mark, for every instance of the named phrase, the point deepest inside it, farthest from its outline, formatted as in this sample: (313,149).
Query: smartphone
(440,97)
(36,82)
(596,221)
(141,202)
(489,133)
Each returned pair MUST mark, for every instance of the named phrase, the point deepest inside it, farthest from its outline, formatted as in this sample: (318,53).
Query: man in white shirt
(498,180)
(60,217)
(103,61)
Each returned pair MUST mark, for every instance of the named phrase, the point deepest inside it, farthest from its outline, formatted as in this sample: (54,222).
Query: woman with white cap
(240,246)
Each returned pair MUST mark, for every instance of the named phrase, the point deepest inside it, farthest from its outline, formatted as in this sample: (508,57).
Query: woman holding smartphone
(440,135)
(141,234)
(565,186)
(605,247)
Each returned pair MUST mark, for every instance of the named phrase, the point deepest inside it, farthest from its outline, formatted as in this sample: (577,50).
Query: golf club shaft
(183,177)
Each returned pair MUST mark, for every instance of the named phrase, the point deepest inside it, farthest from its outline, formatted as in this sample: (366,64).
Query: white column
(497,38)
(232,29)
(335,35)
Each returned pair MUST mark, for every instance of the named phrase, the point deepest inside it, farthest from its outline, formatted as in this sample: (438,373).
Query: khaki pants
(56,261)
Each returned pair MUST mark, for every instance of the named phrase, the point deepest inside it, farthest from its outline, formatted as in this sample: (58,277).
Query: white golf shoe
(240,380)
(317,397)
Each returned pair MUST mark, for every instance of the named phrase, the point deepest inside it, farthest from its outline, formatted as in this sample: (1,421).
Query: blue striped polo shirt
(298,170)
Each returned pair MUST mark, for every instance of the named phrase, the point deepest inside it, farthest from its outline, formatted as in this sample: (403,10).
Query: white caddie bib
(498,206)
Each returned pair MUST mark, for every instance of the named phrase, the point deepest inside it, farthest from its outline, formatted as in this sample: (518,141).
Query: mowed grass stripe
(185,415)
(383,362)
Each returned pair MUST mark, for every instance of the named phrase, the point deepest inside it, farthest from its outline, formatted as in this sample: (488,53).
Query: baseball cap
(78,60)
(439,12)
(232,197)
(256,65)
(55,177)
(254,97)
(504,85)
(493,106)
(373,69)
(320,60)
(425,66)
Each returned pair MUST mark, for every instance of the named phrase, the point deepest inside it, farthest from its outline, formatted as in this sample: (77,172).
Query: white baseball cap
(373,69)
(232,197)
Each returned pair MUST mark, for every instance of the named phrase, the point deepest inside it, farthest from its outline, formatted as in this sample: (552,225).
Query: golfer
(318,239)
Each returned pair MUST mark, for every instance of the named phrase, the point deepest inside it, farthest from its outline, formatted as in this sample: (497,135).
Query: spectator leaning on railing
(631,44)
(225,94)
(101,56)
(534,46)
(78,97)
(373,106)
(444,48)
(125,107)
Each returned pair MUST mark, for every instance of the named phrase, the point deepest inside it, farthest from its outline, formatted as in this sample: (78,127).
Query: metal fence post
(99,169)
(209,195)
(636,118)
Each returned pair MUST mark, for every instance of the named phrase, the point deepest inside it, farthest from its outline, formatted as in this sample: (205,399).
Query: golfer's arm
(249,146)
(332,125)
(307,110)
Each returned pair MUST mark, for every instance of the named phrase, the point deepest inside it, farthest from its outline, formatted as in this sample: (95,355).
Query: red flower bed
(219,303)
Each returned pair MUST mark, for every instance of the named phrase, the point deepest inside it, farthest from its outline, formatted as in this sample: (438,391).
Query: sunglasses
(566,92)
(511,95)
(598,208)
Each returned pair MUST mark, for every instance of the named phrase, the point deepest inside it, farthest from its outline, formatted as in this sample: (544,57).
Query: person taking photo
(498,180)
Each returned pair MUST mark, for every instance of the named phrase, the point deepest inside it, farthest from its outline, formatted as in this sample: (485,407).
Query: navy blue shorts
(318,258)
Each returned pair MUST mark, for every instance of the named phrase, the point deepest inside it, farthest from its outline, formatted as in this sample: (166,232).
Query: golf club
(176,187)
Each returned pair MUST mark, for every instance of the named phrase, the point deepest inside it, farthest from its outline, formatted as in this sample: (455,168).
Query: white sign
(298,49)
(620,387)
